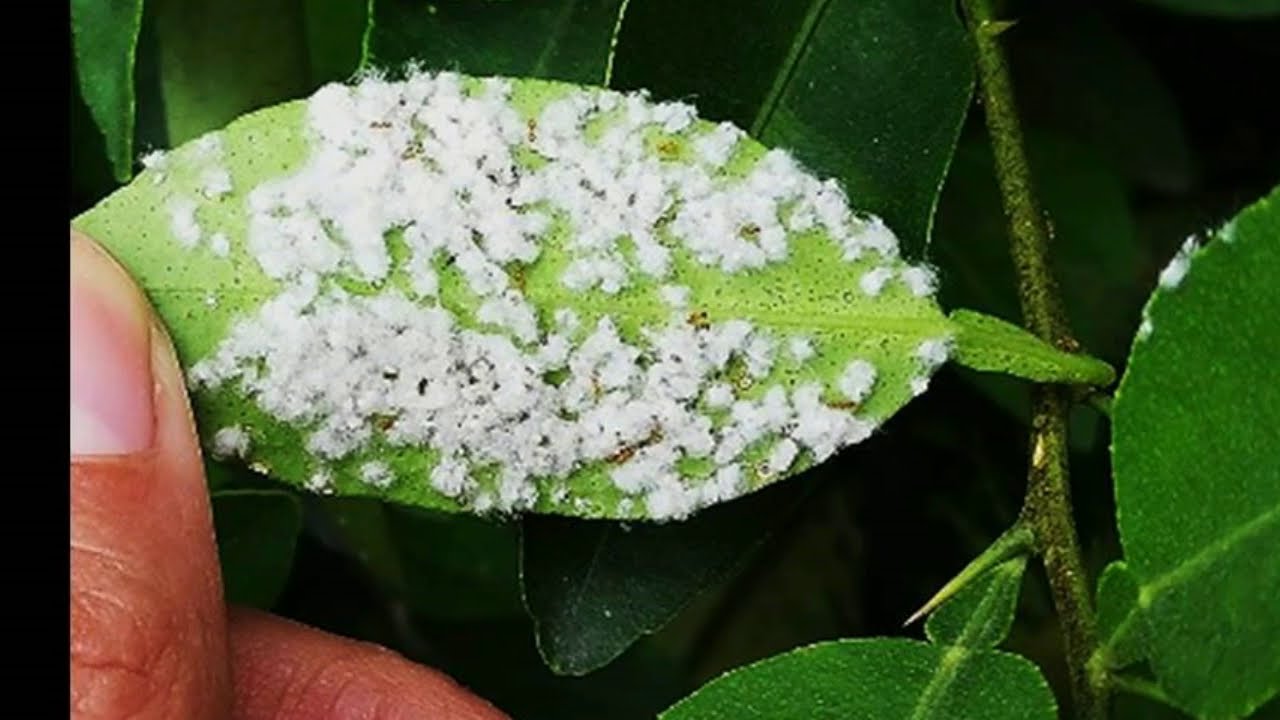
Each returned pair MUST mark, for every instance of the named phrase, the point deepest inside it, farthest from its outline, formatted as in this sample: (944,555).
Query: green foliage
(873,93)
(105,37)
(257,531)
(877,678)
(1195,425)
(955,675)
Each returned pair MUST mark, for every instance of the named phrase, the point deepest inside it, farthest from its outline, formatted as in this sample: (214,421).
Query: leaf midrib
(906,325)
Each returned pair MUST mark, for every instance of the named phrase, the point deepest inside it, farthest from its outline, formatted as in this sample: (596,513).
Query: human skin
(151,635)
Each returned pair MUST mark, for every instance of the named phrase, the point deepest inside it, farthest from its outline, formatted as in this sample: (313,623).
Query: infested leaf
(1197,481)
(488,295)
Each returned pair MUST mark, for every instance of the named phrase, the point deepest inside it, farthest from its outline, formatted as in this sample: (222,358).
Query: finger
(285,671)
(148,621)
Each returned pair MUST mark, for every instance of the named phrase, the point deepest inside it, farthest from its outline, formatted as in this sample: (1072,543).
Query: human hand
(151,636)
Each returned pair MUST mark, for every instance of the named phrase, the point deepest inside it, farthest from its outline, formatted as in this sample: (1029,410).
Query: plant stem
(1047,507)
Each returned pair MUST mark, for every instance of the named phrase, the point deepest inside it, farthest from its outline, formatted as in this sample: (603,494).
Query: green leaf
(221,262)
(1121,627)
(594,587)
(1241,9)
(105,37)
(980,615)
(222,58)
(987,343)
(257,531)
(570,40)
(872,679)
(871,92)
(1197,482)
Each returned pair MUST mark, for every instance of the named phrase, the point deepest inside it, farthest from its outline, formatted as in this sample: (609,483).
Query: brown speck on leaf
(532,127)
(380,124)
(699,319)
(849,405)
(669,148)
(384,422)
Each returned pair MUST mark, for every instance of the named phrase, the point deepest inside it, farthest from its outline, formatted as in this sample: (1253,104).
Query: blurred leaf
(567,40)
(220,59)
(335,31)
(804,585)
(457,567)
(1196,432)
(91,173)
(1122,631)
(105,36)
(872,92)
(497,660)
(360,528)
(873,679)
(1222,8)
(594,587)
(1079,77)
(980,615)
(257,531)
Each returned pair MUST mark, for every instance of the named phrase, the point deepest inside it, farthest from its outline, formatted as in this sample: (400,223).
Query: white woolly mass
(532,393)
(857,380)
(230,442)
(182,222)
(1173,273)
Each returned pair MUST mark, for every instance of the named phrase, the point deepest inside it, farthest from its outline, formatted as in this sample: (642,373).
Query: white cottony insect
(530,297)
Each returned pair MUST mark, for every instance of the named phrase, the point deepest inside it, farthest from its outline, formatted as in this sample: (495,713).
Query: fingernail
(112,391)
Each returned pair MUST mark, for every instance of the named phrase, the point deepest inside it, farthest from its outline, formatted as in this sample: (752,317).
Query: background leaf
(105,38)
(558,39)
(257,531)
(1197,483)
(872,679)
(871,92)
(594,587)
(211,74)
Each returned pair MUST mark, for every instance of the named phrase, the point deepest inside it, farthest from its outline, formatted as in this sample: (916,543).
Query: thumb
(148,622)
